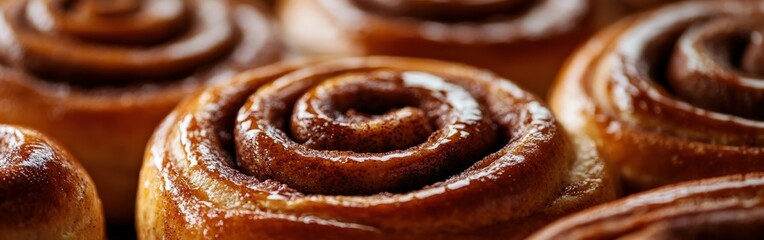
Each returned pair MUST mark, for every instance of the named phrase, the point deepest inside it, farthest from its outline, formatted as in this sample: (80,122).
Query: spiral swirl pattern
(44,193)
(672,95)
(376,147)
(724,207)
(100,75)
(324,119)
(97,43)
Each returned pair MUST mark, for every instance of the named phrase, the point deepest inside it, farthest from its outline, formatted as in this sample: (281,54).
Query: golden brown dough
(523,40)
(44,192)
(100,75)
(730,207)
(671,95)
(426,149)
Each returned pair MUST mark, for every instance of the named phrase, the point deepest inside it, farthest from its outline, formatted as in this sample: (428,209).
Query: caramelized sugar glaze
(100,75)
(672,95)
(729,207)
(377,147)
(523,40)
(44,192)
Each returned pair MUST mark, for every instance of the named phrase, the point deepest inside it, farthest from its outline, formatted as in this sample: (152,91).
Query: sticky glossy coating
(235,160)
(665,93)
(725,207)
(711,70)
(368,113)
(365,159)
(44,193)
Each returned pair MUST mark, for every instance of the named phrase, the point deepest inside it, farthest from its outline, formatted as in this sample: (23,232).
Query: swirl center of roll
(354,113)
(719,64)
(362,133)
(115,21)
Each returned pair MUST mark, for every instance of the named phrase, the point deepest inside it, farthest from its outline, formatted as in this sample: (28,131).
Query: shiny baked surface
(730,207)
(44,192)
(256,157)
(673,94)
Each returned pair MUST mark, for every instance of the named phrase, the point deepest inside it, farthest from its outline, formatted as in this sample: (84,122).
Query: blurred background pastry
(100,75)
(523,40)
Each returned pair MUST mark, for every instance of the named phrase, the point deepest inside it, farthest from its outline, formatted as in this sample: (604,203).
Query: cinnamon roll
(44,192)
(730,207)
(672,95)
(375,147)
(523,40)
(100,75)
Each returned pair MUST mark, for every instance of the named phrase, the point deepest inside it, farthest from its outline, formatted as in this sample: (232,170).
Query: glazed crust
(525,41)
(123,71)
(633,88)
(215,168)
(44,192)
(725,207)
